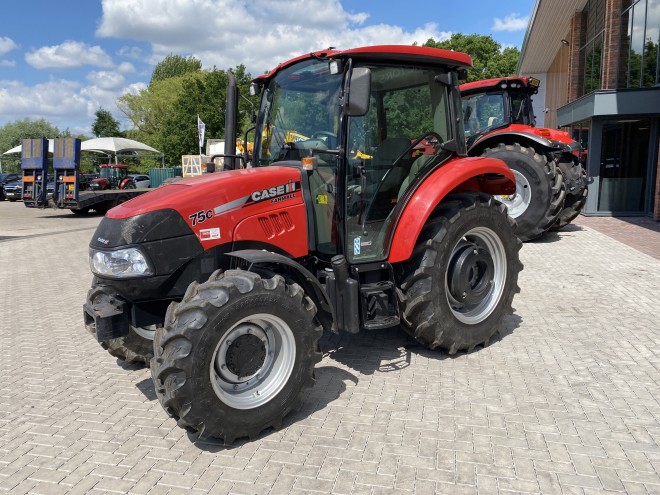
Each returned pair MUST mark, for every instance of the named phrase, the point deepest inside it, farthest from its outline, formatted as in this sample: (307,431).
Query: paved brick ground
(565,400)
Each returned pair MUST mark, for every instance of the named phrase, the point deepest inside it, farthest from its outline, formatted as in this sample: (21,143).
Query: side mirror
(359,92)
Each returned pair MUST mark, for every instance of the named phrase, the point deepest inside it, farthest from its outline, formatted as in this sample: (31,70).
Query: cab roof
(499,83)
(405,54)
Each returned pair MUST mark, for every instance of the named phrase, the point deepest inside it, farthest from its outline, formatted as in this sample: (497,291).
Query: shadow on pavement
(366,353)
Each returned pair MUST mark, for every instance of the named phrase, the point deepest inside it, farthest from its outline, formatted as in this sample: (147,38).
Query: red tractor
(551,186)
(112,176)
(225,282)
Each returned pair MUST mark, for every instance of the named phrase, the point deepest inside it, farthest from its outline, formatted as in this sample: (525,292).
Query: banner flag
(201,127)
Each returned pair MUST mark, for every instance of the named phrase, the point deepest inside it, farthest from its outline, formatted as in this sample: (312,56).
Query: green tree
(105,124)
(489,60)
(175,66)
(164,114)
(13,133)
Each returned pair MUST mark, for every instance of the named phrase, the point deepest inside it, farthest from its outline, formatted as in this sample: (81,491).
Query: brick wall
(575,67)
(611,48)
(656,209)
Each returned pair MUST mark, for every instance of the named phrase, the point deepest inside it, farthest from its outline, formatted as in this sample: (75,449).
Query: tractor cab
(112,176)
(497,103)
(367,132)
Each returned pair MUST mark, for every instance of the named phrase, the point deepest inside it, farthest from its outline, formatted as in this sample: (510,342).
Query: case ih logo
(275,194)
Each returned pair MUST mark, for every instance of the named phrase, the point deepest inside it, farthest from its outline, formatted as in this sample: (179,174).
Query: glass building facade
(614,108)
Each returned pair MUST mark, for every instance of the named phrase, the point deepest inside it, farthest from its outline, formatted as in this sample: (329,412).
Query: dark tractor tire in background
(122,198)
(137,346)
(236,354)
(79,211)
(460,281)
(103,207)
(575,179)
(540,190)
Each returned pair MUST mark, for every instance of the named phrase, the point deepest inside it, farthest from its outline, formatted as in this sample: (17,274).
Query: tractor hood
(217,208)
(222,193)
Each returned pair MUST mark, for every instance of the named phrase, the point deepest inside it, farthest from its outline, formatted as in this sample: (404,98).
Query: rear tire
(576,193)
(236,354)
(540,190)
(461,278)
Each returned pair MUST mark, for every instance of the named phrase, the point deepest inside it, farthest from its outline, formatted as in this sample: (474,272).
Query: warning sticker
(209,234)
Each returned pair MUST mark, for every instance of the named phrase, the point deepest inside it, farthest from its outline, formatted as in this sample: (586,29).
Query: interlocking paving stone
(564,400)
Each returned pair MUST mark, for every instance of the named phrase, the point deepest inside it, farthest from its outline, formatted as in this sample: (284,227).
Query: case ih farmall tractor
(551,186)
(112,176)
(232,277)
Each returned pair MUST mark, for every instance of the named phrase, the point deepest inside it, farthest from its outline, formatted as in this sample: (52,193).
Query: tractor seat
(420,163)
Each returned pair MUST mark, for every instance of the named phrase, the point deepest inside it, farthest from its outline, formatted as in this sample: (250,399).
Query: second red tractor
(551,186)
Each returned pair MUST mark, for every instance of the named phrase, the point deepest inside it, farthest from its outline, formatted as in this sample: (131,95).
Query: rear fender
(509,137)
(488,175)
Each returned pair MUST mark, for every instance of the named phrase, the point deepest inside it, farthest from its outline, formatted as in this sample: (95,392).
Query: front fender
(293,271)
(487,175)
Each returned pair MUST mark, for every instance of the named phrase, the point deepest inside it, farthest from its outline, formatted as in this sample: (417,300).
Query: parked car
(13,190)
(6,179)
(141,180)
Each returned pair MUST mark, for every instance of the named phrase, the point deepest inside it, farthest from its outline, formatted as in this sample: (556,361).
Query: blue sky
(63,60)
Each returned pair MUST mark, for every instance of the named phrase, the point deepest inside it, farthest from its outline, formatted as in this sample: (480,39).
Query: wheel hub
(253,361)
(471,274)
(518,202)
(246,355)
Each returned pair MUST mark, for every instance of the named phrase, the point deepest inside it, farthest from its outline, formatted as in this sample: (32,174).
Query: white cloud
(7,63)
(70,54)
(53,98)
(512,22)
(7,45)
(256,33)
(62,102)
(106,80)
(125,68)
(132,52)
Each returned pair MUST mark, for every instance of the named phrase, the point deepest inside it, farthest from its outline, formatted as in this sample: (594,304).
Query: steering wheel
(415,143)
(332,138)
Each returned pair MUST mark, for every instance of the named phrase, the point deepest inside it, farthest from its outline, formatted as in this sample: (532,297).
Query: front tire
(137,346)
(540,190)
(460,281)
(236,354)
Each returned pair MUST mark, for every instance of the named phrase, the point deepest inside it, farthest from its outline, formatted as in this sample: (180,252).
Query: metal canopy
(549,24)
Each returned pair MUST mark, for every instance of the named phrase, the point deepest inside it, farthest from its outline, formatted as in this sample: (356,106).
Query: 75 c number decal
(201,216)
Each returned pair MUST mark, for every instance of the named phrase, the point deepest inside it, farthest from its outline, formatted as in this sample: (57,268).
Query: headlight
(122,263)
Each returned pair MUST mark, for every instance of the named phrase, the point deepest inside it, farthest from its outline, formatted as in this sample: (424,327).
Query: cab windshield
(300,110)
(483,111)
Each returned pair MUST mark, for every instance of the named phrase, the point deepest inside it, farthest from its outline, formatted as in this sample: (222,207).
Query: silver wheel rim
(486,240)
(147,332)
(518,203)
(273,372)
